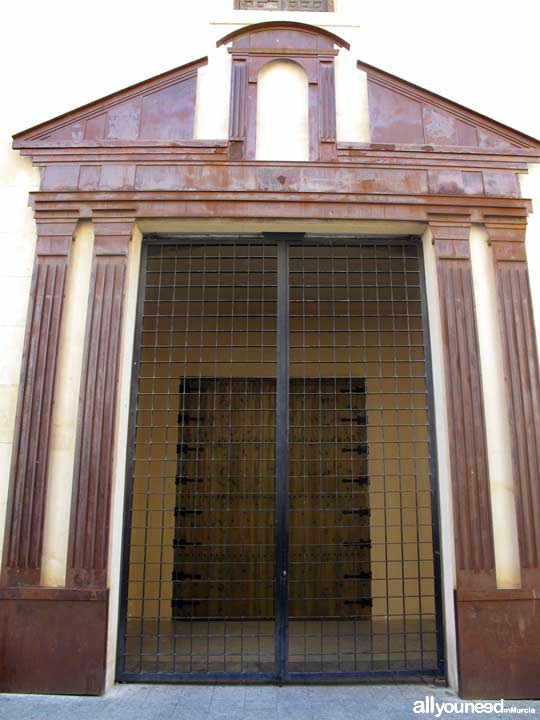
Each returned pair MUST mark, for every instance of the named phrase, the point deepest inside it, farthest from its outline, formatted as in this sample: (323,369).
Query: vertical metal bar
(282,458)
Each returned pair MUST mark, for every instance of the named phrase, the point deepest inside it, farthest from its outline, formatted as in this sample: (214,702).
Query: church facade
(279,401)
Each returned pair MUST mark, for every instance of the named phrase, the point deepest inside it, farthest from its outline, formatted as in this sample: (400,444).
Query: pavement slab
(220,702)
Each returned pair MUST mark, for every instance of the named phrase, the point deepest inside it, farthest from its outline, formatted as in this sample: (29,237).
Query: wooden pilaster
(475,562)
(327,110)
(23,542)
(92,482)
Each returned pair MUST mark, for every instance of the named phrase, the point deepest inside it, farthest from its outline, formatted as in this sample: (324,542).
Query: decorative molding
(272,25)
(327,106)
(238,100)
(364,169)
(286,5)
(202,152)
(23,542)
(89,530)
(279,190)
(522,386)
(238,108)
(475,560)
(312,49)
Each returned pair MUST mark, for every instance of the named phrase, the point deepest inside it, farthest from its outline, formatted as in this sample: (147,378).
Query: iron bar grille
(280,500)
(361,570)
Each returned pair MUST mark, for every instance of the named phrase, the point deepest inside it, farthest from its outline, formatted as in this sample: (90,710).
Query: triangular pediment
(159,109)
(403,113)
(162,109)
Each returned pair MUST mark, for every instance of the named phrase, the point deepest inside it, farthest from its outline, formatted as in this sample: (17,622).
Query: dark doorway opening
(281,503)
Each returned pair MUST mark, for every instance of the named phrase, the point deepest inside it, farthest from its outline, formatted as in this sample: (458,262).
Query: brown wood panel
(53,641)
(169,113)
(28,479)
(237,117)
(394,117)
(327,110)
(327,90)
(224,527)
(522,389)
(405,179)
(92,481)
(160,107)
(498,637)
(326,526)
(468,450)
(401,112)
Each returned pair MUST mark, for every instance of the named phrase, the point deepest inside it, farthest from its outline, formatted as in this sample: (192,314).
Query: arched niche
(282,128)
(312,48)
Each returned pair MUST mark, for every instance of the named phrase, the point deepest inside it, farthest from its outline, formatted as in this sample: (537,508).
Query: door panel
(329,536)
(200,592)
(360,462)
(329,530)
(224,532)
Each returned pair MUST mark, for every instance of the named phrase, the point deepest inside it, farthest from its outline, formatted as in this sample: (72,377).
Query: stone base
(498,637)
(53,640)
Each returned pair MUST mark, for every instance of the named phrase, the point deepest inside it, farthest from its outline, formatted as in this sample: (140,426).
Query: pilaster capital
(449,226)
(112,234)
(55,234)
(507,240)
(450,235)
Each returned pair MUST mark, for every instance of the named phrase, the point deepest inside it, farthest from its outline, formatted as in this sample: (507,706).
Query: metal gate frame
(281,674)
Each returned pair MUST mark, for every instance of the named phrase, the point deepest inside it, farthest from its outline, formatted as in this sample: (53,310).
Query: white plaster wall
(282,112)
(505,537)
(352,112)
(213,96)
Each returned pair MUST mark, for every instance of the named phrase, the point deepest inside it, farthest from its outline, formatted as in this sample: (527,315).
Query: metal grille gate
(281,509)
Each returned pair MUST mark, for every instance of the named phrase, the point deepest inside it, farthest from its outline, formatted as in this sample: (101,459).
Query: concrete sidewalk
(189,702)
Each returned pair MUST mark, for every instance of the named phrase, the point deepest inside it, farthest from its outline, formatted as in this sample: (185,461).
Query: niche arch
(310,47)
(282,86)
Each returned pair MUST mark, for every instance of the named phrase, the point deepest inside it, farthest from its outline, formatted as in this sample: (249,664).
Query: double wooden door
(226,529)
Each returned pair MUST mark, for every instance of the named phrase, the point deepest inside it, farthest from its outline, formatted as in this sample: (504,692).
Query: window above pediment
(291,5)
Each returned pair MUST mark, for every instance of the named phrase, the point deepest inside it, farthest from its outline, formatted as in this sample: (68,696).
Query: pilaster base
(498,636)
(53,640)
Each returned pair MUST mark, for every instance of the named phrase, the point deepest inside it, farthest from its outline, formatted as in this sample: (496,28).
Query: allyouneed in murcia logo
(430,706)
